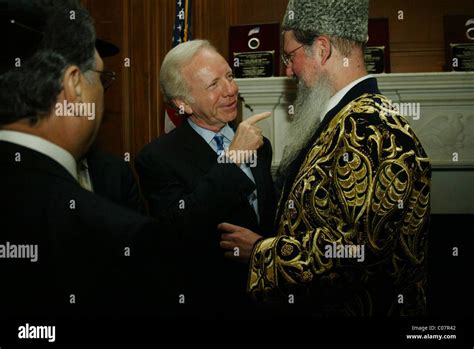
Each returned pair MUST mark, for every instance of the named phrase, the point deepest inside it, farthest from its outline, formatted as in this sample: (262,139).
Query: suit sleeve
(131,191)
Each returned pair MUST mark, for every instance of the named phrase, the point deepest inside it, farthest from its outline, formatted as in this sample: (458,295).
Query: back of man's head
(61,33)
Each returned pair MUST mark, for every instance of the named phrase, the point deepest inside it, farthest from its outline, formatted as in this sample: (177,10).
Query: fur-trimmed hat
(346,19)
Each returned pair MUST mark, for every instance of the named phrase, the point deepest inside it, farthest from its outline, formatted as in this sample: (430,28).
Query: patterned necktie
(253,196)
(220,143)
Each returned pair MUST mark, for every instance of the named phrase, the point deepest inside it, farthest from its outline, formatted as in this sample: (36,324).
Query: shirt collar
(43,146)
(208,135)
(334,100)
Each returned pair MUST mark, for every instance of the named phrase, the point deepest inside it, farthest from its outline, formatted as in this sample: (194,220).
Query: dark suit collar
(202,154)
(368,85)
(259,176)
(365,86)
(32,160)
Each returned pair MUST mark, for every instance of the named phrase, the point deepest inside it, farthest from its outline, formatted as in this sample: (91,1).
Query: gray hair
(172,83)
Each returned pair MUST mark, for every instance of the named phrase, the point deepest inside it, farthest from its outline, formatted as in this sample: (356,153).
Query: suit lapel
(198,151)
(97,172)
(204,157)
(257,172)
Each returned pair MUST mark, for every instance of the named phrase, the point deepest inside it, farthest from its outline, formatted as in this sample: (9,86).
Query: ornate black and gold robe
(364,181)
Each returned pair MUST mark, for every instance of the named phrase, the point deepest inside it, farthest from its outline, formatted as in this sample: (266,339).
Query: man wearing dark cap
(353,215)
(63,250)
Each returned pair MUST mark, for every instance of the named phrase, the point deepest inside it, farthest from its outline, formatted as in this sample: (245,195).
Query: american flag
(181,33)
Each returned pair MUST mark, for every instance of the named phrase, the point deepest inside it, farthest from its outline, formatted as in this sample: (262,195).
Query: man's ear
(324,48)
(72,83)
(182,105)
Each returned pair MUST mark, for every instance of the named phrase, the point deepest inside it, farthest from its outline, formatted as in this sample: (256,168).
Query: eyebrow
(212,81)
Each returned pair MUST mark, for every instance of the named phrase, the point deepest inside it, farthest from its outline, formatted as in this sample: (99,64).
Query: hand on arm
(238,242)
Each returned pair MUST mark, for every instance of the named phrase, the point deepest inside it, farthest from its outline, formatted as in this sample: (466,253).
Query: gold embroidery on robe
(365,181)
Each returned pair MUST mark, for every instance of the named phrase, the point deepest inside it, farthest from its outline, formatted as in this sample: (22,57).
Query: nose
(230,88)
(289,70)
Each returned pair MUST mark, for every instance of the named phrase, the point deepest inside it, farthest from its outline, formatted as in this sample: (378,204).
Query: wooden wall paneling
(164,13)
(126,81)
(139,80)
(112,135)
(151,38)
(154,66)
(211,20)
(417,41)
(259,11)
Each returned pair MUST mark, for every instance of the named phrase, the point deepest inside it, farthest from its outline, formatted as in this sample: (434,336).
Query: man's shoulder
(62,204)
(368,103)
(164,145)
(373,108)
(374,117)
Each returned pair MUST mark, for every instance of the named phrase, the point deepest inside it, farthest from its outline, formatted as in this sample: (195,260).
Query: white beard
(310,105)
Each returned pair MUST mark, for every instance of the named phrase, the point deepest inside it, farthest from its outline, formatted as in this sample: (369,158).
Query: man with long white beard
(351,232)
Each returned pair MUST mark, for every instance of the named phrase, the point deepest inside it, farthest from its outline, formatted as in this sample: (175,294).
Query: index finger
(229,227)
(257,117)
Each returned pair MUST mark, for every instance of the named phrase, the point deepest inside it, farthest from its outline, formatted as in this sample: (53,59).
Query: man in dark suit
(63,249)
(110,177)
(205,172)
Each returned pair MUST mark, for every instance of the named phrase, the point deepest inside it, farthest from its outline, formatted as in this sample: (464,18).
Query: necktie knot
(219,139)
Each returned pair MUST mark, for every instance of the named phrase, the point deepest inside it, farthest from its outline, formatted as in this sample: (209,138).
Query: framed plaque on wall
(377,50)
(254,50)
(459,42)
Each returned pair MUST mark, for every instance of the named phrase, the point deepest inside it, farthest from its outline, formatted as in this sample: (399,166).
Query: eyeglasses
(107,77)
(287,58)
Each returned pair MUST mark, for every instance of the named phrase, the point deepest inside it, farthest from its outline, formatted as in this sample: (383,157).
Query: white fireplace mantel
(445,125)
